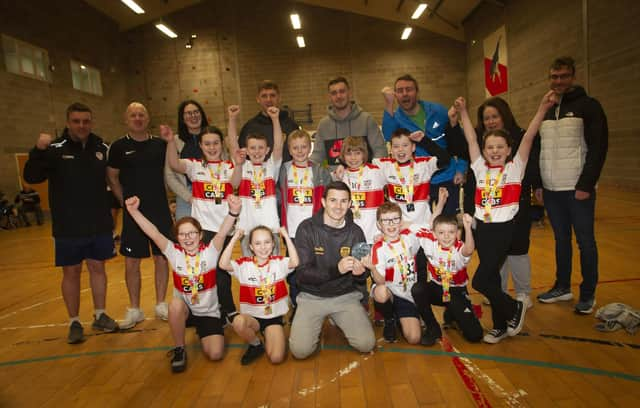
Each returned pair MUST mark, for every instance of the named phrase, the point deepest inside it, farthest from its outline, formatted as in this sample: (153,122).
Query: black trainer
(178,359)
(76,333)
(514,325)
(430,336)
(252,353)
(449,322)
(389,330)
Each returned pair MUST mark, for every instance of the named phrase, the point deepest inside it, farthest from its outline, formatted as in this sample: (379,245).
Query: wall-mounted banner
(496,80)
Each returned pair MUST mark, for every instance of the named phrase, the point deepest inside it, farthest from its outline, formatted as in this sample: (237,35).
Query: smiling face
(137,118)
(336,204)
(446,234)
(257,150)
(267,98)
(561,79)
(339,96)
(189,237)
(211,146)
(261,243)
(496,150)
(299,148)
(402,148)
(491,119)
(354,158)
(192,118)
(389,224)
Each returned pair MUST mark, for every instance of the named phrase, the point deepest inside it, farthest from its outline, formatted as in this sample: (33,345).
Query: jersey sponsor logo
(185,282)
(306,198)
(493,200)
(265,295)
(318,250)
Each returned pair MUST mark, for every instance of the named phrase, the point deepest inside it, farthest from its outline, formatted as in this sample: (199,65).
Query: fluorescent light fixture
(166,30)
(188,45)
(406,33)
(133,6)
(295,21)
(83,67)
(194,36)
(300,40)
(419,10)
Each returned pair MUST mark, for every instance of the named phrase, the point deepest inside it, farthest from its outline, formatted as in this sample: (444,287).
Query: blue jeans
(183,208)
(565,213)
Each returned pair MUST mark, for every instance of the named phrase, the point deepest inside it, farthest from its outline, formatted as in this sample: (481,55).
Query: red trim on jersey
(182,284)
(420,191)
(510,195)
(248,294)
(244,190)
(200,192)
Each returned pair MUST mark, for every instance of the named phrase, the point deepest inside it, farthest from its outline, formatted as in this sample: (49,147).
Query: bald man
(136,167)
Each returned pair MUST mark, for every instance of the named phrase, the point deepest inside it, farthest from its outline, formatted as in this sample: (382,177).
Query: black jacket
(77,185)
(320,248)
(261,124)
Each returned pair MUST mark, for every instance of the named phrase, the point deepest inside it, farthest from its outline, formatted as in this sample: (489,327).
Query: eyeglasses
(390,221)
(188,235)
(194,113)
(560,76)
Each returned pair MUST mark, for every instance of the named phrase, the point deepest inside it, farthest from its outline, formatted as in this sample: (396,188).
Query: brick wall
(30,106)
(537,32)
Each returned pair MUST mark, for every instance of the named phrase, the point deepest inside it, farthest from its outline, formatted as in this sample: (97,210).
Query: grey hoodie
(332,129)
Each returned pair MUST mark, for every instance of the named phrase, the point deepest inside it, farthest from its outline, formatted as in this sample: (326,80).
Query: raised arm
(443,195)
(294,260)
(145,225)
(35,169)
(225,258)
(469,244)
(548,100)
(469,132)
(232,137)
(172,151)
(432,147)
(235,205)
(278,140)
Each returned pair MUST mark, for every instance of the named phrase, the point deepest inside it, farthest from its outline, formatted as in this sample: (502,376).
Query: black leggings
(223,278)
(493,241)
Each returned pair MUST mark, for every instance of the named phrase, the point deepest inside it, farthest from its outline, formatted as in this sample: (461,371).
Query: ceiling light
(83,67)
(194,36)
(406,33)
(300,40)
(188,45)
(295,21)
(166,30)
(419,10)
(133,6)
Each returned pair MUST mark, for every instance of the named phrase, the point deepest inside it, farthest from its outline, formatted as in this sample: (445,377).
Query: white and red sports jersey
(503,191)
(257,191)
(400,189)
(367,194)
(299,196)
(188,270)
(443,259)
(210,185)
(395,260)
(263,288)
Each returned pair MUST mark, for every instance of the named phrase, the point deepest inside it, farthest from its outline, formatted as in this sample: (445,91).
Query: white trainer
(162,311)
(525,299)
(133,317)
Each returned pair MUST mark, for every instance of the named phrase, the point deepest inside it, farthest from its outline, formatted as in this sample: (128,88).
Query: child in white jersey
(394,272)
(195,301)
(448,258)
(498,185)
(301,186)
(263,292)
(211,183)
(256,177)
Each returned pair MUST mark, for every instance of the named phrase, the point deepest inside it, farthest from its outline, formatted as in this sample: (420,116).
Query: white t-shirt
(200,268)
(210,187)
(263,288)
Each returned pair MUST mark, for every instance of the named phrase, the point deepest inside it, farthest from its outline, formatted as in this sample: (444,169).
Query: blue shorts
(72,251)
(403,308)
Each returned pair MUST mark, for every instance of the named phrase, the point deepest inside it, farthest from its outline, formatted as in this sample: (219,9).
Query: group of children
(390,202)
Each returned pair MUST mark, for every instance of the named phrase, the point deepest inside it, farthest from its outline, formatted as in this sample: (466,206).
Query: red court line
(465,375)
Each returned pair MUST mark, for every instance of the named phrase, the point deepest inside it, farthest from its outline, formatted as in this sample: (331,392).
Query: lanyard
(444,272)
(490,192)
(406,191)
(299,185)
(193,270)
(215,179)
(257,183)
(401,262)
(354,189)
(266,284)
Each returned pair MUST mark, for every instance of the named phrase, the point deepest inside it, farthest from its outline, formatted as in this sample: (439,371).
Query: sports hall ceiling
(442,16)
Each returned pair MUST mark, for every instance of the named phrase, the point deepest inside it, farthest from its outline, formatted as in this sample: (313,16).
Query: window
(86,78)
(25,59)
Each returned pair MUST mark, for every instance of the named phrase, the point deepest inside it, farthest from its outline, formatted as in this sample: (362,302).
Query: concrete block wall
(243,48)
(537,32)
(67,30)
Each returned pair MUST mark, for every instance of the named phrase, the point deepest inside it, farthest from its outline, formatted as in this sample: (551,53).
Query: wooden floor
(559,360)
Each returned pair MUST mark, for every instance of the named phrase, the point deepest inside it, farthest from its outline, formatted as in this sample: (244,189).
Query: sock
(98,313)
(74,319)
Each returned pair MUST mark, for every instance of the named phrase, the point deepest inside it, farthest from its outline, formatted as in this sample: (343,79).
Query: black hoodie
(261,124)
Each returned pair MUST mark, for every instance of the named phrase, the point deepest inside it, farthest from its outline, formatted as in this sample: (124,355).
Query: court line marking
(439,353)
(465,375)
